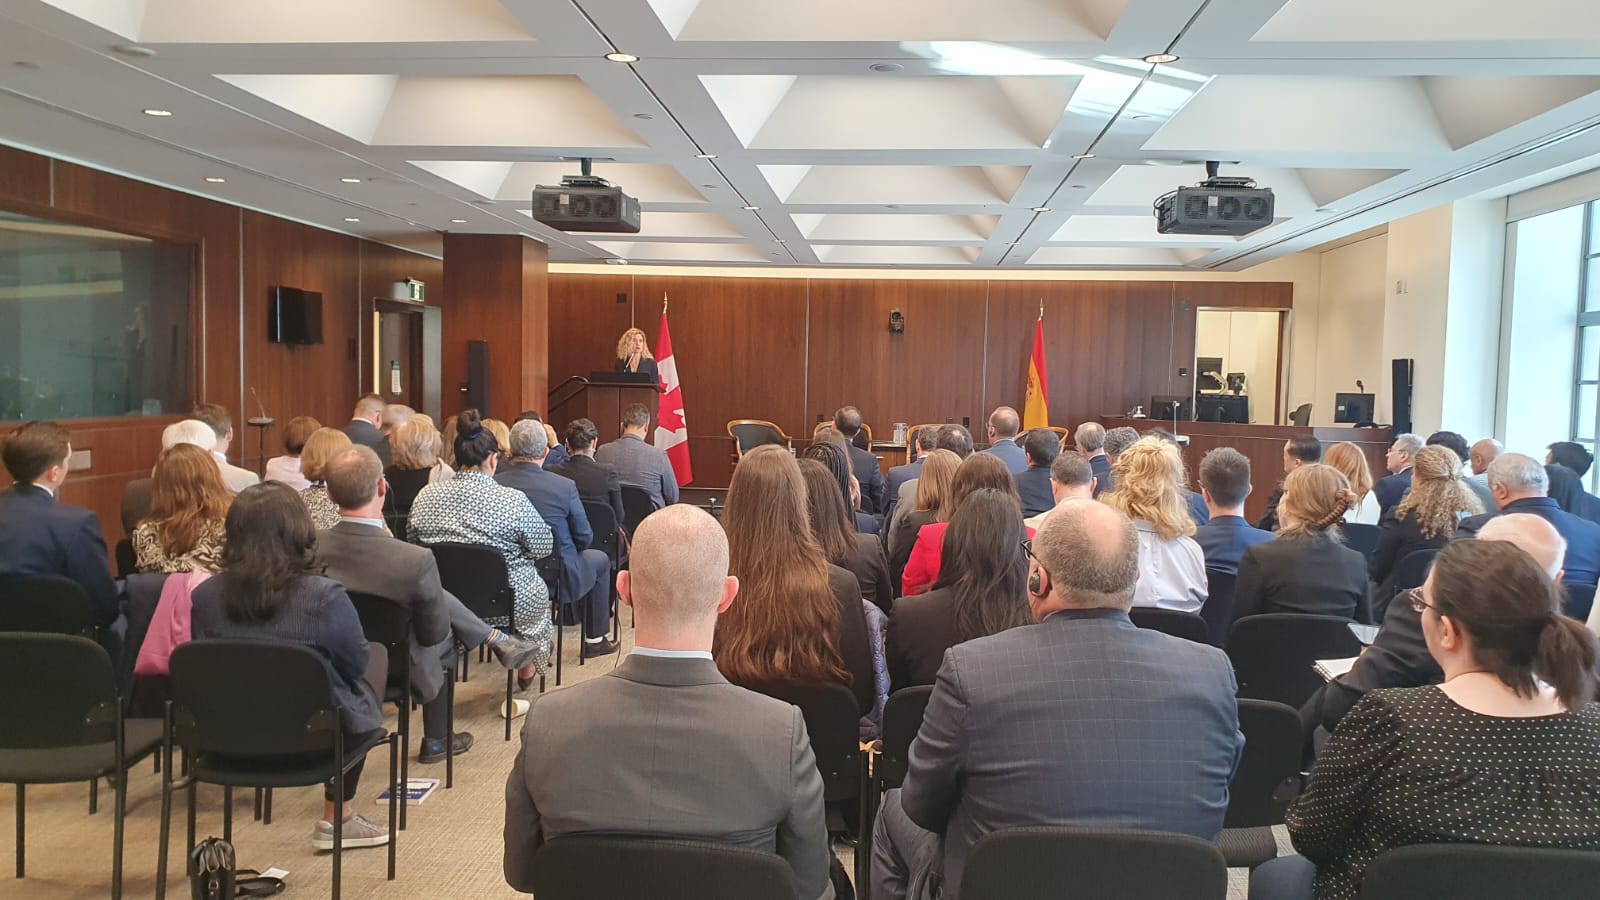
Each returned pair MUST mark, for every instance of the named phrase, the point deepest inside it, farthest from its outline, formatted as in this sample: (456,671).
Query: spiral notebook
(1330,669)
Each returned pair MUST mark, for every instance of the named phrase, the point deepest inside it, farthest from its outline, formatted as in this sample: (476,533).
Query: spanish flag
(1036,408)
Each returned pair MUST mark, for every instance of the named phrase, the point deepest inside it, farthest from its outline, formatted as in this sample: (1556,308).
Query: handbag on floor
(211,870)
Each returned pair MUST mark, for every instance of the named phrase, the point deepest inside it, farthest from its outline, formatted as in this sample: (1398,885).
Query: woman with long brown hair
(977,472)
(1352,464)
(928,506)
(1428,516)
(797,619)
(1150,490)
(1307,569)
(188,507)
(861,554)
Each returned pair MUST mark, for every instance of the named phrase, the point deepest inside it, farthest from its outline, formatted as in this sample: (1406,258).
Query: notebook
(1330,669)
(418,790)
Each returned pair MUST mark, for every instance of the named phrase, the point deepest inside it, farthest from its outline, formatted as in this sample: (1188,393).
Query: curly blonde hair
(627,338)
(1314,498)
(1150,481)
(1438,499)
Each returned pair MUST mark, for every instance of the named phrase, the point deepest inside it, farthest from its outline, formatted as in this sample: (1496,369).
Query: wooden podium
(603,400)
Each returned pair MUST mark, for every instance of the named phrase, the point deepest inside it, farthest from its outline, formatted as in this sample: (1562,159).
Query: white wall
(1350,321)
(1246,341)
(1417,276)
(1472,327)
(1537,356)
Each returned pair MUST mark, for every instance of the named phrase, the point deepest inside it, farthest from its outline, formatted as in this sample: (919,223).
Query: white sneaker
(358,832)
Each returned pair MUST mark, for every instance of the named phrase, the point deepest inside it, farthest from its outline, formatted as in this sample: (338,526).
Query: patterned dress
(472,508)
(204,556)
(324,512)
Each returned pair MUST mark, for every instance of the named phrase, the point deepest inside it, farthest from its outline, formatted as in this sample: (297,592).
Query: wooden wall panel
(585,322)
(497,293)
(1238,294)
(24,176)
(535,336)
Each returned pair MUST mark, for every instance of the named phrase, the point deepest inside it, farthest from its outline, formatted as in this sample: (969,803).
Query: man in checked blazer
(1081,719)
(688,754)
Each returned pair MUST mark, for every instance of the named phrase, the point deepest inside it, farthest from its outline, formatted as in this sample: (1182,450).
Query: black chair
(477,576)
(63,723)
(749,434)
(127,561)
(1410,572)
(1047,863)
(48,604)
(1175,622)
(1480,872)
(608,539)
(1301,417)
(1217,611)
(636,505)
(259,714)
(1579,600)
(1362,538)
(1267,779)
(902,719)
(616,867)
(551,573)
(1273,654)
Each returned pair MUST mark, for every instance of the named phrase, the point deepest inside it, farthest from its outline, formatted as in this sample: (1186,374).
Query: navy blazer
(1225,539)
(1198,510)
(1391,489)
(597,482)
(1033,486)
(864,465)
(1010,453)
(1100,465)
(899,475)
(1582,563)
(39,536)
(362,432)
(557,501)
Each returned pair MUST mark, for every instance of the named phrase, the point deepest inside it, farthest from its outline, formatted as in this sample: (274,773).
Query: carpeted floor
(451,847)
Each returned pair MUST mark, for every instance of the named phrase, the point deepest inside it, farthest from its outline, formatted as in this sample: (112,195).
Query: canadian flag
(672,430)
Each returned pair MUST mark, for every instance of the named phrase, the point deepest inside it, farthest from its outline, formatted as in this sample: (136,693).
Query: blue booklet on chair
(418,790)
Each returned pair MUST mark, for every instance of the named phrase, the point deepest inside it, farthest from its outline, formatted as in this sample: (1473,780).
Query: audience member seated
(1004,425)
(863,464)
(1225,483)
(637,462)
(502,438)
(1090,439)
(1505,751)
(39,535)
(1520,485)
(395,415)
(447,442)
(1482,454)
(978,471)
(268,590)
(799,619)
(1300,450)
(221,423)
(1033,483)
(861,554)
(1570,454)
(320,449)
(557,453)
(1352,464)
(1307,569)
(414,447)
(286,468)
(585,569)
(950,437)
(365,427)
(932,503)
(1117,440)
(1172,568)
(1457,444)
(687,755)
(597,482)
(136,496)
(1071,478)
(1566,489)
(1392,487)
(1398,655)
(189,503)
(1427,518)
(982,590)
(1195,503)
(1029,726)
(899,475)
(472,508)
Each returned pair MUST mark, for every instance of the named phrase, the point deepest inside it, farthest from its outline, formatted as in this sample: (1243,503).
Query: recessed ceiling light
(779,241)
(709,187)
(215,180)
(458,221)
(751,208)
(1078,187)
(622,57)
(616,261)
(705,156)
(158,113)
(1159,58)
(1041,209)
(133,50)
(886,67)
(26,66)
(1083,156)
(645,116)
(351,219)
(351,180)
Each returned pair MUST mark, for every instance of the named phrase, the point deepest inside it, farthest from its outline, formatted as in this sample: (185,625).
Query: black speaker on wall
(476,387)
(1400,387)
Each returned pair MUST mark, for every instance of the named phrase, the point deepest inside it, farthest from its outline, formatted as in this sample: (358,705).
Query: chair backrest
(1301,416)
(1175,622)
(1217,611)
(476,575)
(834,727)
(582,867)
(53,604)
(127,560)
(1411,571)
(56,690)
(1480,872)
(603,522)
(636,505)
(252,698)
(1273,654)
(911,439)
(749,434)
(1361,538)
(1268,776)
(388,623)
(902,719)
(1047,863)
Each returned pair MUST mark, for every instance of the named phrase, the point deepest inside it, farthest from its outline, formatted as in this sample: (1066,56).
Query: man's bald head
(1535,536)
(1089,554)
(1483,453)
(677,574)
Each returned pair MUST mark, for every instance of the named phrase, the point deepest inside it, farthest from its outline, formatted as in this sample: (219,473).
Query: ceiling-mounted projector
(1232,206)
(585,202)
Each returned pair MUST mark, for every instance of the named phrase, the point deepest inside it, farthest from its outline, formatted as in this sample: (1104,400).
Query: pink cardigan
(169,627)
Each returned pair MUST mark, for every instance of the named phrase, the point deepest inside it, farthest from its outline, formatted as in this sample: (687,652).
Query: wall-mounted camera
(897,322)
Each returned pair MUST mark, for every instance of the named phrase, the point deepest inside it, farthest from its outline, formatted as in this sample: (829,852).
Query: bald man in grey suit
(688,754)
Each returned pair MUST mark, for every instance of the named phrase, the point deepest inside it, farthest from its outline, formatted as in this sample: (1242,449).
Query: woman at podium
(633,355)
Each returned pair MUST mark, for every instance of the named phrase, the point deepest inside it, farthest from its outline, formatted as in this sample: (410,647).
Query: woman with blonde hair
(502,437)
(414,446)
(1150,490)
(324,445)
(798,619)
(633,355)
(1352,464)
(188,507)
(1425,520)
(933,491)
(1307,569)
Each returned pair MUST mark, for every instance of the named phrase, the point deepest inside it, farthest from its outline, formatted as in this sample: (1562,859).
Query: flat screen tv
(294,316)
(1352,409)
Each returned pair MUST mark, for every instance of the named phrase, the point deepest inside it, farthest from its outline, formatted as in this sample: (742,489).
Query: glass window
(92,323)
(1584,410)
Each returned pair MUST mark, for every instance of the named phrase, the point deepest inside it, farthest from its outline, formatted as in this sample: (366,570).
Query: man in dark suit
(1033,483)
(596,483)
(1519,484)
(1392,488)
(1225,483)
(949,436)
(863,464)
(1458,445)
(1091,440)
(1082,719)
(1004,425)
(1300,450)
(899,475)
(366,427)
(687,755)
(39,535)
(585,571)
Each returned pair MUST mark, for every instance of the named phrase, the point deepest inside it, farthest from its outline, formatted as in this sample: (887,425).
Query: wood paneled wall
(788,350)
(498,293)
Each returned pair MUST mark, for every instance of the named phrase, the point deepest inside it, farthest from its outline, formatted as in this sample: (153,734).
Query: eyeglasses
(1417,603)
(1027,548)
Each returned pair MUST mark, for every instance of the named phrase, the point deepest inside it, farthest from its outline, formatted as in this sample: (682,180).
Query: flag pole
(663,303)
(1041,309)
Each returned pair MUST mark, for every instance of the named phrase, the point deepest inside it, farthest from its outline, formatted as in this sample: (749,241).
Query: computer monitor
(1222,408)
(1161,408)
(1353,409)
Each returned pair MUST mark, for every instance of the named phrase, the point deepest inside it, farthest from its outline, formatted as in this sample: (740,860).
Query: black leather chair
(1217,611)
(1273,654)
(127,561)
(1267,779)
(902,719)
(47,604)
(562,609)
(1172,621)
(1480,872)
(1048,863)
(608,538)
(749,434)
(1362,538)
(477,576)
(616,867)
(259,714)
(636,506)
(1410,572)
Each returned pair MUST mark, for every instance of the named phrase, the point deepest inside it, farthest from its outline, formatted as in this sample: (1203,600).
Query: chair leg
(193,802)
(405,755)
(166,803)
(450,748)
(561,634)
(227,813)
(120,810)
(338,808)
(266,809)
(583,631)
(255,810)
(397,800)
(94,795)
(510,683)
(21,827)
